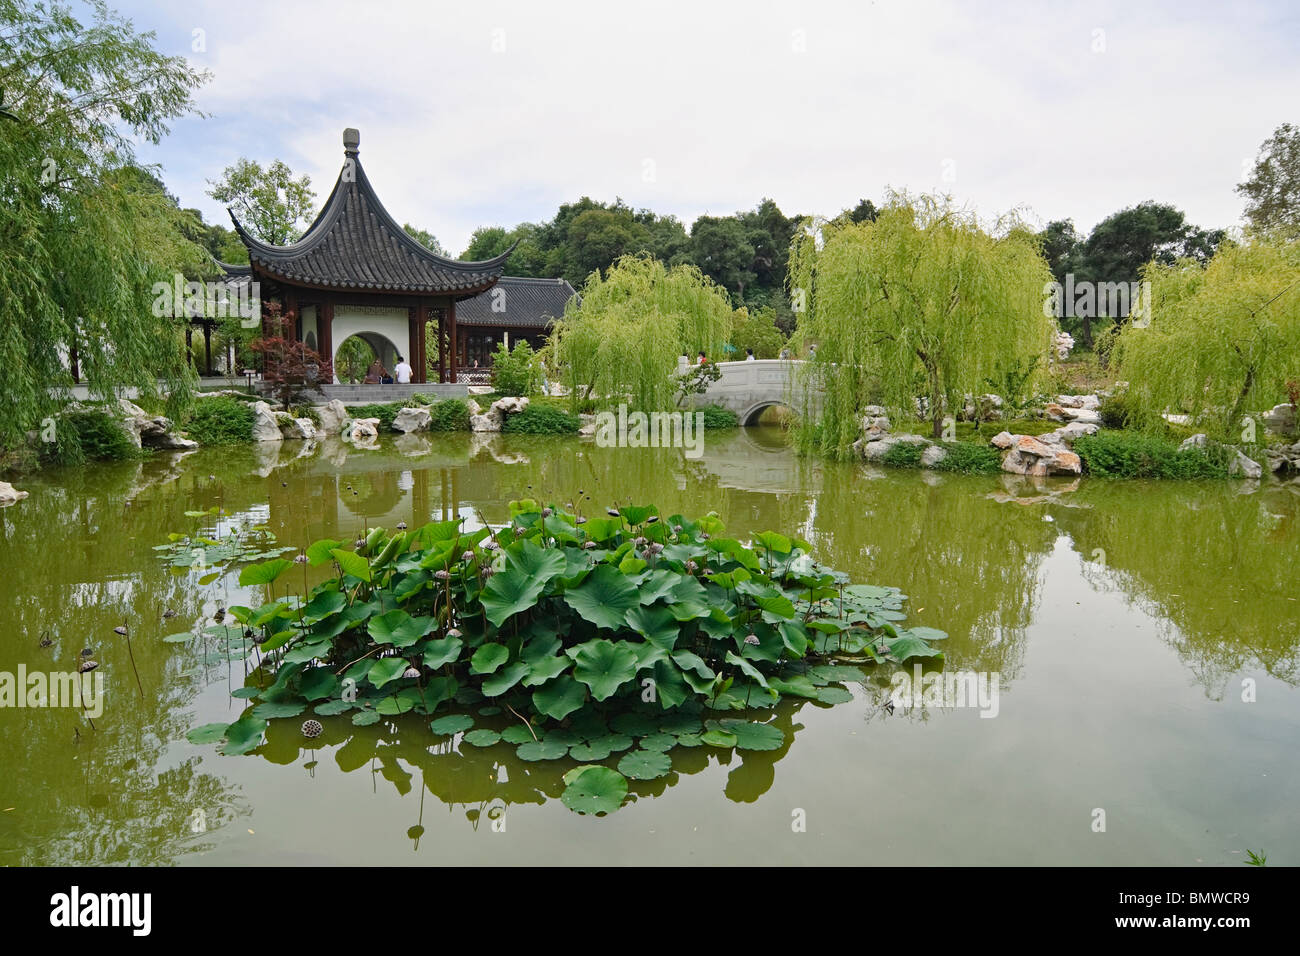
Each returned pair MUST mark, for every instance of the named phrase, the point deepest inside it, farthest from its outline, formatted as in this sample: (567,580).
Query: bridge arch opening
(754,413)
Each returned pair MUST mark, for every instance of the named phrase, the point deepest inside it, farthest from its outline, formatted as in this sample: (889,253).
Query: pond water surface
(1144,636)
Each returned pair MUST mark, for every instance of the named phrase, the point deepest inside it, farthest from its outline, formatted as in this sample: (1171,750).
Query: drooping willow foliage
(623,340)
(1222,341)
(82,235)
(922,302)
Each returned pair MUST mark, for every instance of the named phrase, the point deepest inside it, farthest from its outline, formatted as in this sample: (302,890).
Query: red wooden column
(325,330)
(442,345)
(455,349)
(421,342)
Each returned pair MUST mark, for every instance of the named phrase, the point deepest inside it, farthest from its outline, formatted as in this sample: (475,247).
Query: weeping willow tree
(1222,339)
(623,339)
(83,236)
(921,302)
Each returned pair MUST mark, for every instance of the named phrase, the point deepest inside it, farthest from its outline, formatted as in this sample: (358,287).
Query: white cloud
(456,134)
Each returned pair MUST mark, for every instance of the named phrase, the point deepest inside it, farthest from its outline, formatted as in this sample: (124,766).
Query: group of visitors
(378,375)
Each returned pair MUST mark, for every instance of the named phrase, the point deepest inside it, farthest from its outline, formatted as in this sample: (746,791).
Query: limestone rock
(9,494)
(489,421)
(1079,401)
(875,422)
(1066,434)
(876,450)
(266,427)
(1055,412)
(587,425)
(298,428)
(1002,440)
(474,407)
(933,455)
(1281,419)
(332,415)
(412,420)
(510,405)
(146,431)
(1195,441)
(1028,455)
(1244,466)
(1088,416)
(360,429)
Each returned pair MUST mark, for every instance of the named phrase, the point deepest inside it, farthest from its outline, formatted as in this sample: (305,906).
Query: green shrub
(82,436)
(715,416)
(967,458)
(904,455)
(385,412)
(540,420)
(1115,411)
(308,412)
(449,416)
(1133,455)
(515,372)
(220,421)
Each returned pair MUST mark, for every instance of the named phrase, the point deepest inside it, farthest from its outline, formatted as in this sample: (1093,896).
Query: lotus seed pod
(120,629)
(588,545)
(580,520)
(87,666)
(692,567)
(311,728)
(453,632)
(612,512)
(751,638)
(441,574)
(467,556)
(401,526)
(300,559)
(652,519)
(547,512)
(411,672)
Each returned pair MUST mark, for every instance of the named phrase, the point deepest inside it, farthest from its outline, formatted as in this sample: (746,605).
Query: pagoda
(356,271)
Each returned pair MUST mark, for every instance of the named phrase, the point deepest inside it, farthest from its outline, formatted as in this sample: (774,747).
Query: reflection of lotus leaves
(477,778)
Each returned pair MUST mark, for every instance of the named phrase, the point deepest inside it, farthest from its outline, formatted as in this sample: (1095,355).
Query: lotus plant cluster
(563,627)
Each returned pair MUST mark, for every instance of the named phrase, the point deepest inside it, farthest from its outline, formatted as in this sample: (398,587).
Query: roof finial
(351,141)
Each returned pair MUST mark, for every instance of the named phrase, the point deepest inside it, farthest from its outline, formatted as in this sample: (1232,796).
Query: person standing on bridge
(749,355)
(403,371)
(703,360)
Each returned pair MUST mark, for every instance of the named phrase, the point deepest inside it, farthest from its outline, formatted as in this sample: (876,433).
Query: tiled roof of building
(355,244)
(517,303)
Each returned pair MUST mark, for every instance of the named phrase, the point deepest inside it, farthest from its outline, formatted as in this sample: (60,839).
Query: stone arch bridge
(749,388)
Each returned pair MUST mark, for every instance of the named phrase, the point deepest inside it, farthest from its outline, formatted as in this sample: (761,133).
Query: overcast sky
(490,113)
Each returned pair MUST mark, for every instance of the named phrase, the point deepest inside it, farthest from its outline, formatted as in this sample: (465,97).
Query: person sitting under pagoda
(376,373)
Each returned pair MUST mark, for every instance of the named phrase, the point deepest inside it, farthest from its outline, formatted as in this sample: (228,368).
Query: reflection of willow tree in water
(970,561)
(1177,549)
(77,564)
(399,751)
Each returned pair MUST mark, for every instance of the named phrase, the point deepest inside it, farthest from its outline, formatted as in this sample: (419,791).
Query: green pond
(1144,637)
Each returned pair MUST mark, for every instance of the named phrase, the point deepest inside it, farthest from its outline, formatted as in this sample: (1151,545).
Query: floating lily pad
(719,738)
(331,707)
(365,718)
(658,742)
(273,709)
(689,740)
(516,734)
(482,737)
(207,734)
(749,735)
(451,724)
(594,790)
(543,749)
(834,695)
(644,764)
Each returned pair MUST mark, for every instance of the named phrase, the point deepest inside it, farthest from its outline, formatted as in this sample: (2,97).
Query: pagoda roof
(355,245)
(528,303)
